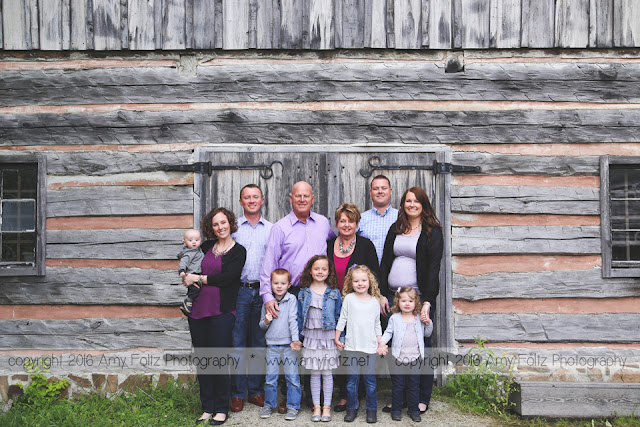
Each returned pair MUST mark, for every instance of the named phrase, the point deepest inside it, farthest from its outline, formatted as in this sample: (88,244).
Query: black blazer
(229,278)
(363,254)
(428,257)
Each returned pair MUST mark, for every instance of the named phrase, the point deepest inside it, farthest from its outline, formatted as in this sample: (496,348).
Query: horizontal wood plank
(330,127)
(557,399)
(540,327)
(114,244)
(526,239)
(91,286)
(120,200)
(178,340)
(543,284)
(410,80)
(507,164)
(525,200)
(98,163)
(58,328)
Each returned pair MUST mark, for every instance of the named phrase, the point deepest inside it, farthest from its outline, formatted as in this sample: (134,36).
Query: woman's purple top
(208,301)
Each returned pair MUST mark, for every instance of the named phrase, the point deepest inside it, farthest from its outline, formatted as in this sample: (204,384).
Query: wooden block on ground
(575,400)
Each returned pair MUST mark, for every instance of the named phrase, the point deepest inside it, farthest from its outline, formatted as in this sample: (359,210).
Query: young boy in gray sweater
(282,338)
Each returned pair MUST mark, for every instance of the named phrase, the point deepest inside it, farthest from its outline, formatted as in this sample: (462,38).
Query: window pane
(625,214)
(18,215)
(625,246)
(624,182)
(19,183)
(19,247)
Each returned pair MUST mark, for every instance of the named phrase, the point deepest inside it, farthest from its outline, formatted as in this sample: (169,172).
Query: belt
(251,285)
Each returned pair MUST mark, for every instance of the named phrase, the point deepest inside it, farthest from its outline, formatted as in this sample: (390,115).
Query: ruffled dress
(319,352)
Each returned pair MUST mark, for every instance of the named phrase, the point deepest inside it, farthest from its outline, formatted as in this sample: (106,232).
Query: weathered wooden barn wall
(317,24)
(525,238)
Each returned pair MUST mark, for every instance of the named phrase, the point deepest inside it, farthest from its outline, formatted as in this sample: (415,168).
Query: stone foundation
(11,386)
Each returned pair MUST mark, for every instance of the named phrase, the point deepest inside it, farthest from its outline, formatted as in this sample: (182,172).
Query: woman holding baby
(213,315)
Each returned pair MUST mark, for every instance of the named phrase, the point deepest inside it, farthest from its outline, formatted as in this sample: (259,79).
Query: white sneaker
(292,414)
(265,412)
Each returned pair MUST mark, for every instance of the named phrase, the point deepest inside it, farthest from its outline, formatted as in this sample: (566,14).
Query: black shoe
(416,418)
(351,415)
(216,422)
(372,416)
(396,416)
(339,408)
(203,420)
(387,408)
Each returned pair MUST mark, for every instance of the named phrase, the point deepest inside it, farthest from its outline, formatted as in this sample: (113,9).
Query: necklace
(217,253)
(413,229)
(342,249)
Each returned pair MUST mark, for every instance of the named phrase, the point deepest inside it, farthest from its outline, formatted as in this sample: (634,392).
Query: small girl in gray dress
(319,304)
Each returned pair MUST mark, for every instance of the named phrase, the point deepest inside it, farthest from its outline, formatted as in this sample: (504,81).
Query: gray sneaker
(292,414)
(265,412)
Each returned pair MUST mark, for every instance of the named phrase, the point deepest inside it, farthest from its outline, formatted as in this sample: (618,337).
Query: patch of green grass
(175,404)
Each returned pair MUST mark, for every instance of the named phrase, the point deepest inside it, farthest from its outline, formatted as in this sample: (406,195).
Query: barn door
(336,177)
(337,174)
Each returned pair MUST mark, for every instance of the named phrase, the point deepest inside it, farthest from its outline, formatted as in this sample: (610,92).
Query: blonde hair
(373,290)
(413,294)
(350,210)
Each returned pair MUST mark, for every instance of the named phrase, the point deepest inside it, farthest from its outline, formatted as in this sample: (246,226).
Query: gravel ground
(439,414)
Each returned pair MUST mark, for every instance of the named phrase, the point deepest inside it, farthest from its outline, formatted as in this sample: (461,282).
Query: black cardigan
(428,257)
(363,254)
(229,278)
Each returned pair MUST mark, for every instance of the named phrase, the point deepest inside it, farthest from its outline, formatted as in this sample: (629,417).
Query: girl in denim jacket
(319,304)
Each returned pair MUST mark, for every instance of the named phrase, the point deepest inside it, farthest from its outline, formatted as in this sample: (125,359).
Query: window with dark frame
(620,200)
(22,215)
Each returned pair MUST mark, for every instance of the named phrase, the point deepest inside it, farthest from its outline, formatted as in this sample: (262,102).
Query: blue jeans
(247,333)
(275,354)
(364,364)
(403,381)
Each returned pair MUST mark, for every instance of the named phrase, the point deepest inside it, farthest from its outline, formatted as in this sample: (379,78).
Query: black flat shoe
(213,422)
(351,415)
(416,418)
(372,416)
(396,416)
(202,420)
(339,408)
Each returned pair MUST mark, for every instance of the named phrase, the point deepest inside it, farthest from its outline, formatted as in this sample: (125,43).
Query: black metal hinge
(450,168)
(198,167)
(266,171)
(436,167)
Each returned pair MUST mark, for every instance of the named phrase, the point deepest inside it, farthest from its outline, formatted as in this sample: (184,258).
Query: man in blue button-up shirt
(375,223)
(253,232)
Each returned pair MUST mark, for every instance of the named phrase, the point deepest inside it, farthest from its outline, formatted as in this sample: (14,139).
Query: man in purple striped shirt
(292,242)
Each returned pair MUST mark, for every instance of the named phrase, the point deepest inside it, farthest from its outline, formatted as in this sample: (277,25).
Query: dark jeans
(403,382)
(208,332)
(426,379)
(361,364)
(247,333)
